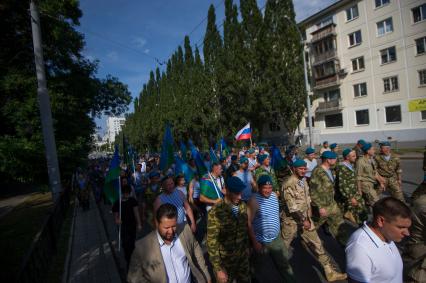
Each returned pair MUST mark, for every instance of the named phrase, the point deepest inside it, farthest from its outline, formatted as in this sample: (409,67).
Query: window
(362,117)
(393,114)
(421,45)
(419,13)
(390,84)
(306,122)
(388,55)
(332,95)
(325,22)
(380,3)
(355,38)
(334,120)
(324,70)
(358,64)
(423,113)
(422,77)
(352,13)
(384,27)
(360,90)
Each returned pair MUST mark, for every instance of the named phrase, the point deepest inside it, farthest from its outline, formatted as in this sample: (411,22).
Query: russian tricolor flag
(244,133)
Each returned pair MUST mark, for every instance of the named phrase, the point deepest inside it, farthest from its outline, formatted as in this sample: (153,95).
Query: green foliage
(253,72)
(76,94)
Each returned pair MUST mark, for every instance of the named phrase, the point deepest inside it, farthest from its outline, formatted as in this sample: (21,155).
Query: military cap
(222,159)
(329,155)
(299,163)
(361,142)
(366,147)
(262,158)
(234,157)
(243,159)
(309,150)
(385,143)
(251,150)
(333,145)
(346,151)
(235,185)
(324,142)
(264,180)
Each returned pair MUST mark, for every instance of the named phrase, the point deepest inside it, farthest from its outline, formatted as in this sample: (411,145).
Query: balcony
(328,106)
(322,83)
(323,33)
(320,58)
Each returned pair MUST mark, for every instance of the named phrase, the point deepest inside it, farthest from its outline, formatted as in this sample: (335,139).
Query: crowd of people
(220,226)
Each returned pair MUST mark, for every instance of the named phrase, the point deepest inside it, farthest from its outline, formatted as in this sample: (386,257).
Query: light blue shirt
(247,179)
(175,261)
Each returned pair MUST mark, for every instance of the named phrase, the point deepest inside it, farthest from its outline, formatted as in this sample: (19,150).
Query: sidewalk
(90,256)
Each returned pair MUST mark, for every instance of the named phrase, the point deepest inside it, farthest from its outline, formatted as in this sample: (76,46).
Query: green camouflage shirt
(365,170)
(321,188)
(346,182)
(262,171)
(388,169)
(227,235)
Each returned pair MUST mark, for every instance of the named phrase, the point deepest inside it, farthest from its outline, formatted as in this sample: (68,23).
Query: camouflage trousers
(370,193)
(237,267)
(335,222)
(415,263)
(356,214)
(392,186)
(290,230)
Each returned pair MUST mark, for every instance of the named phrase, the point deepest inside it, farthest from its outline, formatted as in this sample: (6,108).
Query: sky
(132,37)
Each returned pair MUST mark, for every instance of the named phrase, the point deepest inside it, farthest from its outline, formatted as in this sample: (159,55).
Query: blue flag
(201,168)
(213,156)
(277,160)
(183,168)
(183,150)
(166,156)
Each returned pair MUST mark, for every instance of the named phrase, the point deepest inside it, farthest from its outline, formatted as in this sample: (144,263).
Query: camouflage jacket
(262,171)
(150,195)
(388,169)
(295,194)
(365,170)
(227,235)
(346,182)
(321,188)
(418,227)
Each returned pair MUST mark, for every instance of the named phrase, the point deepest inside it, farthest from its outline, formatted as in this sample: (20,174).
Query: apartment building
(114,125)
(367,61)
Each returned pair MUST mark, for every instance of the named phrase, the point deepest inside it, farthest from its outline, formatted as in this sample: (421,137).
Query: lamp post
(305,69)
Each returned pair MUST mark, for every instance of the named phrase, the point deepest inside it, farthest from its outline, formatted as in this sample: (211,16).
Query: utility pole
(44,104)
(305,69)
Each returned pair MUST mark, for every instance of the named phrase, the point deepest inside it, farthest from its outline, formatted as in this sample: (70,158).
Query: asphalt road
(306,268)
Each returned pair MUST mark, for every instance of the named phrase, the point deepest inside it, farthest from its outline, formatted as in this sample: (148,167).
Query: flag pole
(119,213)
(251,142)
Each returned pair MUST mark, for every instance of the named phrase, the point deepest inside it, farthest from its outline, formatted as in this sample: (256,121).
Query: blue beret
(299,163)
(385,143)
(261,148)
(153,174)
(262,158)
(333,145)
(264,180)
(235,185)
(329,155)
(243,159)
(222,159)
(366,147)
(234,157)
(361,142)
(287,151)
(324,142)
(251,150)
(309,150)
(346,151)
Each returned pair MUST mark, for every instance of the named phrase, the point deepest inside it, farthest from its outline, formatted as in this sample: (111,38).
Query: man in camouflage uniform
(389,167)
(297,219)
(227,235)
(265,169)
(350,197)
(367,177)
(358,148)
(415,252)
(322,196)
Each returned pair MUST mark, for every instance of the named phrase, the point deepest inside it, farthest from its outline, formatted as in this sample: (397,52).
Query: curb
(67,264)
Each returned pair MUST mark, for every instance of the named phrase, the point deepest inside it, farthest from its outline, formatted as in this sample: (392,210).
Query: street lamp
(308,101)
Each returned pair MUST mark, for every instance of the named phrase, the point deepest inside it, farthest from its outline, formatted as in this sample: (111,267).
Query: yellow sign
(417,105)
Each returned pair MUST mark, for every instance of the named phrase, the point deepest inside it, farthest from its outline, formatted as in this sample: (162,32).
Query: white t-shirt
(310,166)
(369,259)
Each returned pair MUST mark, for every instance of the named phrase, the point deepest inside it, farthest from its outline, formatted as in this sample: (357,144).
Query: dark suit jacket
(146,264)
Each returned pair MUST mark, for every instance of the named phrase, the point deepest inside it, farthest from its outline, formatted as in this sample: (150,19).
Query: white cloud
(112,56)
(139,41)
(146,51)
(306,8)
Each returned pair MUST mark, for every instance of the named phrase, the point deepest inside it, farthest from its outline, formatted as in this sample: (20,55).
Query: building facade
(367,61)
(114,125)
